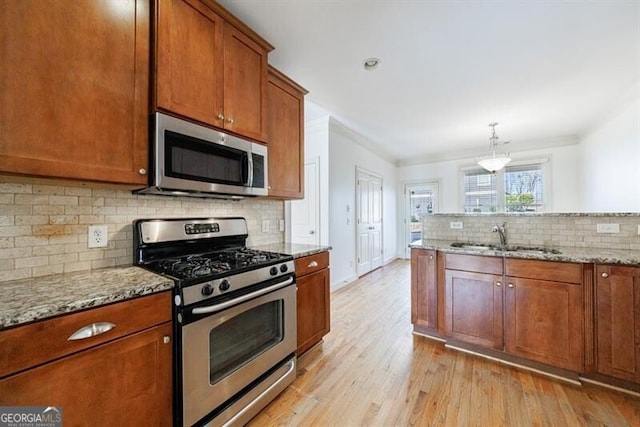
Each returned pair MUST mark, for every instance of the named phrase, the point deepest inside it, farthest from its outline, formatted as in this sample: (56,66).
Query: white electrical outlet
(455,225)
(607,228)
(97,236)
(265,225)
(639,230)
(282,225)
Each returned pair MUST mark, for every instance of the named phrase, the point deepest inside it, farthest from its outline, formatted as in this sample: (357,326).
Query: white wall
(345,154)
(610,158)
(563,168)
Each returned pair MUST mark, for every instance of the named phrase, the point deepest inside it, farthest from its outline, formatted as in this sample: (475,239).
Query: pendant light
(494,161)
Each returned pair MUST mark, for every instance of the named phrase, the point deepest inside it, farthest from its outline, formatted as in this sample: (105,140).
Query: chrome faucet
(502,232)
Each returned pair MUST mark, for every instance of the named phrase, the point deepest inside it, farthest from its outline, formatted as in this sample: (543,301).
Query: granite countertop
(38,298)
(567,254)
(298,250)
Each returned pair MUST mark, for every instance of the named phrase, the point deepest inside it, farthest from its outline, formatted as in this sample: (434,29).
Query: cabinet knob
(605,275)
(312,264)
(220,116)
(498,283)
(430,256)
(166,339)
(142,171)
(510,285)
(230,120)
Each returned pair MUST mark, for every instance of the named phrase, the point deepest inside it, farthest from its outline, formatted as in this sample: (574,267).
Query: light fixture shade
(494,162)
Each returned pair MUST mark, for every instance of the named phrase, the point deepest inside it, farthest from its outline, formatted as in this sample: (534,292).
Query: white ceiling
(544,70)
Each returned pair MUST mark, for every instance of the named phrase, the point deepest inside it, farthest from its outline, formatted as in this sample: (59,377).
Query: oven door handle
(217,307)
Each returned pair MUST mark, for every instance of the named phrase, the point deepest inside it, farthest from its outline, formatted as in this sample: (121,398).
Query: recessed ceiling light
(371,64)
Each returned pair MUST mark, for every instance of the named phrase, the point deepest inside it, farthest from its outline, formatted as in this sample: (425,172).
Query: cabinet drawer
(36,343)
(544,270)
(312,263)
(480,264)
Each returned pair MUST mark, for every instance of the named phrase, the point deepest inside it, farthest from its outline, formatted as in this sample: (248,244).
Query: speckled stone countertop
(42,297)
(567,254)
(298,250)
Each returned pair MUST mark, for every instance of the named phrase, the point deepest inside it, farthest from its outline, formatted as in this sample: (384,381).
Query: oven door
(226,350)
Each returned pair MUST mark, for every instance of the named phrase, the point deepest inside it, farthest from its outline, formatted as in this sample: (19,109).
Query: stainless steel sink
(510,248)
(533,249)
(476,246)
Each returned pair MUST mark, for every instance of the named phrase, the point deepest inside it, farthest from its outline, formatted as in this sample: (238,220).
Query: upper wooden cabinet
(74,89)
(618,321)
(286,136)
(209,67)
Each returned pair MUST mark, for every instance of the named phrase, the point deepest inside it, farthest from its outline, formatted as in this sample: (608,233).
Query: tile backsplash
(553,229)
(44,224)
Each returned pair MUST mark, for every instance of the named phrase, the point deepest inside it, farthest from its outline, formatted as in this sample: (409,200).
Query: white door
(305,212)
(420,199)
(369,222)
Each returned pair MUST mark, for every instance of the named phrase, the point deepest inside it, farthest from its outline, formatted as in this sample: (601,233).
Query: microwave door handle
(249,182)
(217,307)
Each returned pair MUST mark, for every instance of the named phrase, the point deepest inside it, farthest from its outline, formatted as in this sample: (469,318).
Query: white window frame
(545,165)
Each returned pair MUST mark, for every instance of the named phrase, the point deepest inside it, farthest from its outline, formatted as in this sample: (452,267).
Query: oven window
(195,159)
(244,337)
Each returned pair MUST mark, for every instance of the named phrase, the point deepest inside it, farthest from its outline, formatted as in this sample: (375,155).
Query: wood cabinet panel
(566,272)
(245,85)
(74,89)
(312,263)
(208,70)
(480,264)
(313,309)
(124,382)
(286,136)
(36,343)
(618,321)
(189,60)
(474,308)
(544,321)
(424,304)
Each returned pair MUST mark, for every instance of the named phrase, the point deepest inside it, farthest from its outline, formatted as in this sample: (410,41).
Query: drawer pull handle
(313,264)
(605,275)
(91,331)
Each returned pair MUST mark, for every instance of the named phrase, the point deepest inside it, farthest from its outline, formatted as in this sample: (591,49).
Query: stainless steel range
(235,316)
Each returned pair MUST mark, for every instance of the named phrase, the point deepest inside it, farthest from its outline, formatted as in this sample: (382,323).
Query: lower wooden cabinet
(544,312)
(618,322)
(473,307)
(313,308)
(424,292)
(123,381)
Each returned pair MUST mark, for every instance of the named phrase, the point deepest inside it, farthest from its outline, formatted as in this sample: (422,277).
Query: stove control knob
(207,290)
(283,268)
(273,271)
(224,285)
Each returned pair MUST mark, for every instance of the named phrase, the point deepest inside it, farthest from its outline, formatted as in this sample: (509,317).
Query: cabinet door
(544,322)
(285,138)
(125,382)
(189,60)
(473,308)
(424,289)
(313,309)
(618,321)
(74,89)
(245,85)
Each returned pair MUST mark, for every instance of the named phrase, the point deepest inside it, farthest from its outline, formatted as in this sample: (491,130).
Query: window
(517,188)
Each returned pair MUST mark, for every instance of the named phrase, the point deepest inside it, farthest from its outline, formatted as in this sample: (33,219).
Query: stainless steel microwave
(193,160)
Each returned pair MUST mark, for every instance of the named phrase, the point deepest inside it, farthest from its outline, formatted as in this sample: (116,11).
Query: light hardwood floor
(371,371)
